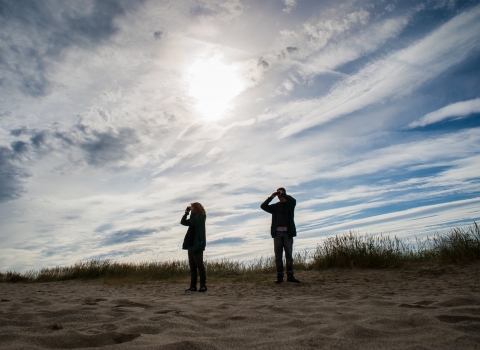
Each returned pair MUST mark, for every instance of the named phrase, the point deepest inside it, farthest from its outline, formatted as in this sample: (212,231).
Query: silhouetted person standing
(195,242)
(282,230)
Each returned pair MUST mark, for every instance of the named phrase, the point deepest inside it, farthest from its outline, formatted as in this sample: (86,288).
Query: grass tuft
(459,245)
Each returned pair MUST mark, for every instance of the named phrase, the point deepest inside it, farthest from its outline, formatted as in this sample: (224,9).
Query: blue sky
(115,115)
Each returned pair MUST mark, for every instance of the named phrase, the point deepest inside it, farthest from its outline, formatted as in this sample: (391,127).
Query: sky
(116,114)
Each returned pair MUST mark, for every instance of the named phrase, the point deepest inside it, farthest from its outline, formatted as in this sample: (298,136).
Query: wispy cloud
(406,222)
(102,144)
(454,111)
(397,75)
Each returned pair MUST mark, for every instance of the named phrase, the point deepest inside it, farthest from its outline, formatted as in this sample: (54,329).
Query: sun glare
(214,85)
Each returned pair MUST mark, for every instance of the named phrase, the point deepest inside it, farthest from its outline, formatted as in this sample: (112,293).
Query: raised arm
(290,200)
(265,205)
(185,221)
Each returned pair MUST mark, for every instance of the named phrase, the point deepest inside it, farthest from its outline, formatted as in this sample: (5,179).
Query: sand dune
(431,308)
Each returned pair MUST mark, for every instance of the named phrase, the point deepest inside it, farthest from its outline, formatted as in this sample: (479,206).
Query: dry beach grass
(460,245)
(430,301)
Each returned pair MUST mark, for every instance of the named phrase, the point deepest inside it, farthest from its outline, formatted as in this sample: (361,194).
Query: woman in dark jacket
(195,242)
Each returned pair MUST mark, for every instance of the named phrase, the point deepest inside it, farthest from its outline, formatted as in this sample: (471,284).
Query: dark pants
(282,242)
(195,260)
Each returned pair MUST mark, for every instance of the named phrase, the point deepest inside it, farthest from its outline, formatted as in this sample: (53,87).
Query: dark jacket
(270,208)
(200,241)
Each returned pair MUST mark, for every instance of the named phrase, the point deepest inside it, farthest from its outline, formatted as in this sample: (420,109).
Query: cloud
(39,138)
(334,42)
(136,119)
(102,148)
(39,142)
(455,110)
(214,152)
(397,75)
(19,147)
(289,5)
(355,46)
(402,223)
(47,29)
(262,63)
(227,240)
(18,132)
(188,152)
(126,236)
(101,145)
(11,175)
(104,227)
(320,34)
(221,9)
(399,156)
(285,88)
(390,7)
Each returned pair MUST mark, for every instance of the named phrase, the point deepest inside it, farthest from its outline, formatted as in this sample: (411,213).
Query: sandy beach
(429,308)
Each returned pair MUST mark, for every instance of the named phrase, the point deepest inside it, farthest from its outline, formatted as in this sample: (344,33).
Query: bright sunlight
(214,85)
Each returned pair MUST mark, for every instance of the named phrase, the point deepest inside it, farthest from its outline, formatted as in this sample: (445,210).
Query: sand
(430,308)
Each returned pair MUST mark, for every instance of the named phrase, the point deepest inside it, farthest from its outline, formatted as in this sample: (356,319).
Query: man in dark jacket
(282,230)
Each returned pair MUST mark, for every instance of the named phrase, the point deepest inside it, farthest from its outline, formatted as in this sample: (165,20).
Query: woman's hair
(199,208)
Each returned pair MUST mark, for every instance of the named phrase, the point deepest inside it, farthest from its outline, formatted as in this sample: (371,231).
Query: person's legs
(288,246)
(198,257)
(193,269)
(278,249)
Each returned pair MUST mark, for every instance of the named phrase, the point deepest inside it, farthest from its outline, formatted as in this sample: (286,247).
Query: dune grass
(459,245)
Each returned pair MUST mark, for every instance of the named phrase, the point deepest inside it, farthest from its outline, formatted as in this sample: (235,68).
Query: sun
(214,84)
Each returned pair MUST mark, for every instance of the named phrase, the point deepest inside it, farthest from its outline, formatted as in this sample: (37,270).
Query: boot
(203,287)
(292,279)
(193,288)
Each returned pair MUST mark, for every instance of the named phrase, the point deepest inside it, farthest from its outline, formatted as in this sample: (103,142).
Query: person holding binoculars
(282,231)
(195,242)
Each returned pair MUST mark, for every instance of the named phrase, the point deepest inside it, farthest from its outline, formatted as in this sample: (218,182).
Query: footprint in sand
(163,312)
(108,327)
(146,329)
(420,305)
(55,327)
(236,318)
(469,310)
(459,302)
(187,345)
(92,301)
(131,304)
(73,340)
(468,341)
(456,319)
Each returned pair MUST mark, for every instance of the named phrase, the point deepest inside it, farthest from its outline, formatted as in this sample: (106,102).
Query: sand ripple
(335,309)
